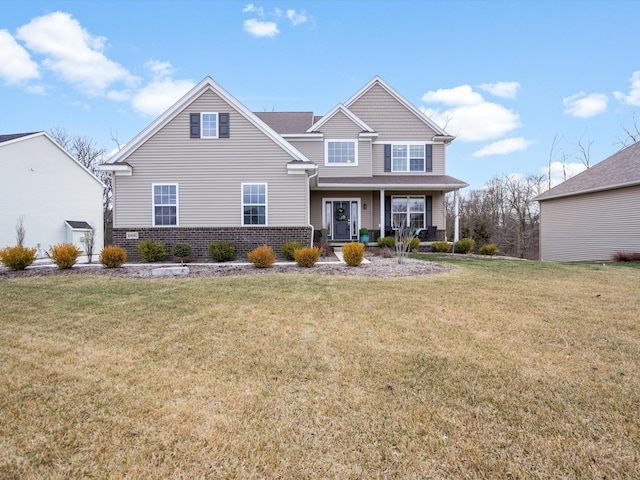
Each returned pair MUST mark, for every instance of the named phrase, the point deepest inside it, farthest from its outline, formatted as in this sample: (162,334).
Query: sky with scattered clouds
(521,84)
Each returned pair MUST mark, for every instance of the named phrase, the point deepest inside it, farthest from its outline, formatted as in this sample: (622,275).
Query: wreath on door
(341,214)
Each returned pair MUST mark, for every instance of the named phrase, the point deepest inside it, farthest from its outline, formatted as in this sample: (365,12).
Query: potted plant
(364,235)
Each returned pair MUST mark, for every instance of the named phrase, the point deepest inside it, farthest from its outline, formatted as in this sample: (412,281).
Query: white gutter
(309,177)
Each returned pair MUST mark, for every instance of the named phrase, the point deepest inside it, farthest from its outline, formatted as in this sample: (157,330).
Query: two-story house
(208,169)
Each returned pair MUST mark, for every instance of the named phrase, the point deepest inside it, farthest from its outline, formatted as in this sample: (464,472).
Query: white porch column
(456,217)
(382,225)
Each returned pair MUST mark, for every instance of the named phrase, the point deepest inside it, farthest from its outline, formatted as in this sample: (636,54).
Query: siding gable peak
(377,81)
(340,108)
(205,85)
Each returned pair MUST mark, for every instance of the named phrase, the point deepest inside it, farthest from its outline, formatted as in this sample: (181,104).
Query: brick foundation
(244,239)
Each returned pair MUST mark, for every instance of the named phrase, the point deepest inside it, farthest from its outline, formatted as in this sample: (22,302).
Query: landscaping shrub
(488,249)
(112,257)
(626,257)
(306,256)
(288,249)
(440,247)
(262,257)
(414,245)
(18,257)
(387,242)
(181,250)
(464,246)
(222,251)
(64,255)
(353,253)
(151,251)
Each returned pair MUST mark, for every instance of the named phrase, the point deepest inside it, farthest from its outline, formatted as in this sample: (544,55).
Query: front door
(341,220)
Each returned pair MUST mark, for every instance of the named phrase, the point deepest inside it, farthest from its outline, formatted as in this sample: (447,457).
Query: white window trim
(266,204)
(408,212)
(408,145)
(202,135)
(153,203)
(326,152)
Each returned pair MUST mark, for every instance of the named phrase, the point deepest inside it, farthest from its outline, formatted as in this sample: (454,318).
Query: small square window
(209,125)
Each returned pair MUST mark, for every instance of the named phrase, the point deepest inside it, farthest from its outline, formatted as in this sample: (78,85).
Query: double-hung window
(341,152)
(407,158)
(254,204)
(408,211)
(209,125)
(165,204)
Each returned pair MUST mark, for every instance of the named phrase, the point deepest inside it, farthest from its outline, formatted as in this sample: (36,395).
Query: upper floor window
(165,205)
(209,125)
(254,204)
(341,152)
(407,158)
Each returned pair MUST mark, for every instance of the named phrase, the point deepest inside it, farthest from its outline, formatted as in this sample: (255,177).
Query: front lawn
(499,369)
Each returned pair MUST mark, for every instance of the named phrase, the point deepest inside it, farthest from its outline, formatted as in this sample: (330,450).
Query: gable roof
(206,84)
(340,108)
(377,81)
(13,136)
(621,169)
(20,137)
(287,122)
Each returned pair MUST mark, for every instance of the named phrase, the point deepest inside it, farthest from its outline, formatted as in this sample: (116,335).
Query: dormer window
(341,152)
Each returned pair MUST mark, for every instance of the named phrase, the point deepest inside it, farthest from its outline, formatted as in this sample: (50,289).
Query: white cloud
(296,18)
(73,53)
(251,8)
(16,65)
(502,89)
(582,105)
(634,94)
(462,95)
(471,118)
(258,28)
(159,95)
(161,69)
(503,147)
(561,171)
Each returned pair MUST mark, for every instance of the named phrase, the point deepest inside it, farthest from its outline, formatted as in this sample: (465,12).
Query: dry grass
(498,369)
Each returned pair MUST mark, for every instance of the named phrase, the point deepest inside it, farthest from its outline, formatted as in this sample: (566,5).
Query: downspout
(309,177)
(456,217)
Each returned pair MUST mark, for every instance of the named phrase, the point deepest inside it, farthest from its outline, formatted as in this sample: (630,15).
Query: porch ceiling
(396,182)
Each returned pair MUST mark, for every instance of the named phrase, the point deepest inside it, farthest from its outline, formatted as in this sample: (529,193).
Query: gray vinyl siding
(340,127)
(209,174)
(438,160)
(385,115)
(591,226)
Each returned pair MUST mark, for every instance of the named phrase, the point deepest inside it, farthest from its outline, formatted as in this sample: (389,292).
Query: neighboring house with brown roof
(595,214)
(209,169)
(58,199)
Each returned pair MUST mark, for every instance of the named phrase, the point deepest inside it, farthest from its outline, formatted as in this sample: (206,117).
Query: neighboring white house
(55,196)
(595,214)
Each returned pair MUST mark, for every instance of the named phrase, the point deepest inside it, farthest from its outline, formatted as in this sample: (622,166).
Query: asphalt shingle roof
(13,136)
(287,122)
(619,170)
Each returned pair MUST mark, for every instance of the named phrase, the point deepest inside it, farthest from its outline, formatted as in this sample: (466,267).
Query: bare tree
(404,236)
(632,133)
(89,240)
(585,152)
(86,151)
(20,230)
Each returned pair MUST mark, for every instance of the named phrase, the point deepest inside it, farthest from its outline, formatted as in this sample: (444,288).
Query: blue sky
(505,77)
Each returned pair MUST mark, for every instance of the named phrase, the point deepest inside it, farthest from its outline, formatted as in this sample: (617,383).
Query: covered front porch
(340,207)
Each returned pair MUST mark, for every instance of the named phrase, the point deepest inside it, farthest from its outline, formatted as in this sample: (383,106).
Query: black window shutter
(223,125)
(429,206)
(429,160)
(194,125)
(387,214)
(387,158)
